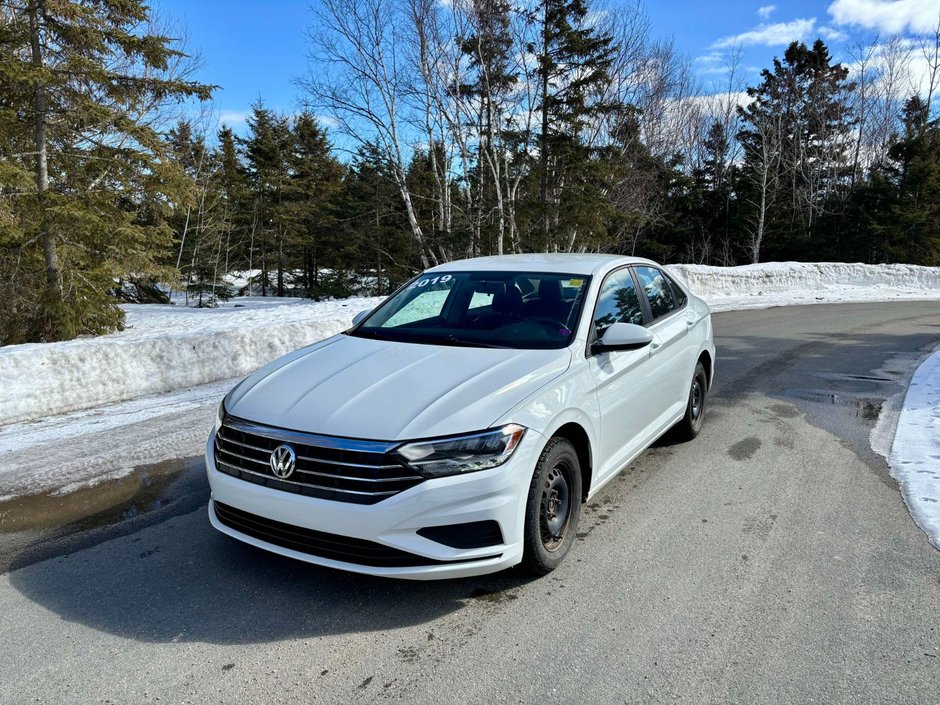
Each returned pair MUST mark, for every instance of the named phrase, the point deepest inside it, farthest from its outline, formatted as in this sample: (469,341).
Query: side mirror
(623,336)
(359,317)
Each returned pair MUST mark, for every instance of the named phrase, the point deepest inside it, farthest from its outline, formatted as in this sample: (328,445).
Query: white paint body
(362,388)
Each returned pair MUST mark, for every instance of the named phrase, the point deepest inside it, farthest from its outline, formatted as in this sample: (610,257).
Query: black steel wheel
(690,425)
(553,507)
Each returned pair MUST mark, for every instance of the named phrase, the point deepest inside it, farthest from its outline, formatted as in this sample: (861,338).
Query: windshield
(482,309)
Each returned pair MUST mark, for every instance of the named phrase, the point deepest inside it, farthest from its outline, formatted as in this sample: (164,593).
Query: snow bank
(915,454)
(163,348)
(168,348)
(793,283)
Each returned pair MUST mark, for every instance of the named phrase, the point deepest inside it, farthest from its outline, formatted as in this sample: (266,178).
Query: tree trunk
(426,253)
(53,275)
(264,265)
(543,137)
(378,250)
(280,264)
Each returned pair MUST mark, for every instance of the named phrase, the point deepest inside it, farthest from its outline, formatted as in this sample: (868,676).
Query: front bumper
(492,495)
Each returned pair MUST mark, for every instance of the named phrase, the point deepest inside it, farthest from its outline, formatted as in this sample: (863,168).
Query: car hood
(376,389)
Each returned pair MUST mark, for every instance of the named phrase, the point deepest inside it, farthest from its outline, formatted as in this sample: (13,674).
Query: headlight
(220,415)
(460,454)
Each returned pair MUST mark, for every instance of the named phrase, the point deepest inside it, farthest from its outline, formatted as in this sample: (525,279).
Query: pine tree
(795,135)
(913,230)
(81,82)
(373,236)
(491,79)
(232,186)
(313,190)
(574,61)
(267,151)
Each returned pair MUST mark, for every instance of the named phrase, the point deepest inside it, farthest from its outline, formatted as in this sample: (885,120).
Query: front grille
(322,544)
(340,469)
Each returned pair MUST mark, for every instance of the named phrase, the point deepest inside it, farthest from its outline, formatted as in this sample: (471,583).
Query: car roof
(560,262)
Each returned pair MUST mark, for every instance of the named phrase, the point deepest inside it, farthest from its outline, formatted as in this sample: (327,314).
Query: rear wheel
(690,425)
(553,507)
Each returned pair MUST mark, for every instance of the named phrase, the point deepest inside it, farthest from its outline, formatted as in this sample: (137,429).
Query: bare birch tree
(367,85)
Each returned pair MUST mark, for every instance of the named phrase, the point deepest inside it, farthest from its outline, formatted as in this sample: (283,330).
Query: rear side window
(658,291)
(681,298)
(617,302)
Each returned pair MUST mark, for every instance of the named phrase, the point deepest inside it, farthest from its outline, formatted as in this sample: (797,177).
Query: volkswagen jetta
(458,427)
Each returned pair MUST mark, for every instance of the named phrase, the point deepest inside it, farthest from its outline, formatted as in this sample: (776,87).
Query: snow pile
(168,348)
(791,283)
(163,348)
(915,454)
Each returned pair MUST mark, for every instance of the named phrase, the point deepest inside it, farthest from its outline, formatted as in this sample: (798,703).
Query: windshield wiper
(374,333)
(454,340)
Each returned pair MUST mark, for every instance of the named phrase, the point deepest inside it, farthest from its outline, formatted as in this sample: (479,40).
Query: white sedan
(457,428)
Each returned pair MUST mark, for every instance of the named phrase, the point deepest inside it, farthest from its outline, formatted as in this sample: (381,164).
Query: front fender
(569,399)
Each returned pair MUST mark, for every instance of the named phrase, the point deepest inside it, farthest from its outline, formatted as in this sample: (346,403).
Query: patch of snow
(915,453)
(797,283)
(899,367)
(163,348)
(86,447)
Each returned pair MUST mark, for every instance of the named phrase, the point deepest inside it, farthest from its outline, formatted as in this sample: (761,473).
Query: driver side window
(617,302)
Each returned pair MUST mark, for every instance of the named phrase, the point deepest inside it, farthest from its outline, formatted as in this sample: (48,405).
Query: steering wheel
(546,320)
(550,323)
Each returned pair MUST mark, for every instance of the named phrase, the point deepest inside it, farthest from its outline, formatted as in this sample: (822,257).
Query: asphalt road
(772,560)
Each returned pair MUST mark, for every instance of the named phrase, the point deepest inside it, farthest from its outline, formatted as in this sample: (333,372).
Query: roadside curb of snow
(48,379)
(914,457)
(806,277)
(170,348)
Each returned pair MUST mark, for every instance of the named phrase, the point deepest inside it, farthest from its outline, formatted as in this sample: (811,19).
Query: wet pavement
(38,527)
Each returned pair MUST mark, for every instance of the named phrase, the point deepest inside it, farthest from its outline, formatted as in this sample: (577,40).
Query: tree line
(432,131)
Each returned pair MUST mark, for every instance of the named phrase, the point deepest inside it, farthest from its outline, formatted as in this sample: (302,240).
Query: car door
(625,383)
(669,351)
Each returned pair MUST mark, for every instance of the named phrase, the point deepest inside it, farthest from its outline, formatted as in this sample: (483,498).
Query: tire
(690,425)
(553,507)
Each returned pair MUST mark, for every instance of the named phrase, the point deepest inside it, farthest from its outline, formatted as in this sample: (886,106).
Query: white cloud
(889,16)
(831,34)
(714,71)
(233,118)
(716,103)
(327,121)
(713,57)
(776,34)
(911,69)
(765,11)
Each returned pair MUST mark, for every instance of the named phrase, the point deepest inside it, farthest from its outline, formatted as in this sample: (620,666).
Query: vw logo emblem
(282,461)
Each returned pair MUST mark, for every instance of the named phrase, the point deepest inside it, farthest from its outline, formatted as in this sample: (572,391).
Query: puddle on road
(864,407)
(109,502)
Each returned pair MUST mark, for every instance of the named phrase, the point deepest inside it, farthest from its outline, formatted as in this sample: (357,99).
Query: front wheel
(690,425)
(553,507)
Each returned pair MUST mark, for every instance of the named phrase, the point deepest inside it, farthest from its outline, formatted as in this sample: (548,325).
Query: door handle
(689,322)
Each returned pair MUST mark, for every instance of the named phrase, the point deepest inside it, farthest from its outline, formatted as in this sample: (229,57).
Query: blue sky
(256,49)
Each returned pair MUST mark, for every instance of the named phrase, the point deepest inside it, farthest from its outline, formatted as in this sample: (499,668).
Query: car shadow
(183,581)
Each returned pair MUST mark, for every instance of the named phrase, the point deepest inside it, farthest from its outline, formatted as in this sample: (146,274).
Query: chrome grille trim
(355,445)
(307,484)
(349,465)
(308,459)
(356,479)
(340,469)
(245,457)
